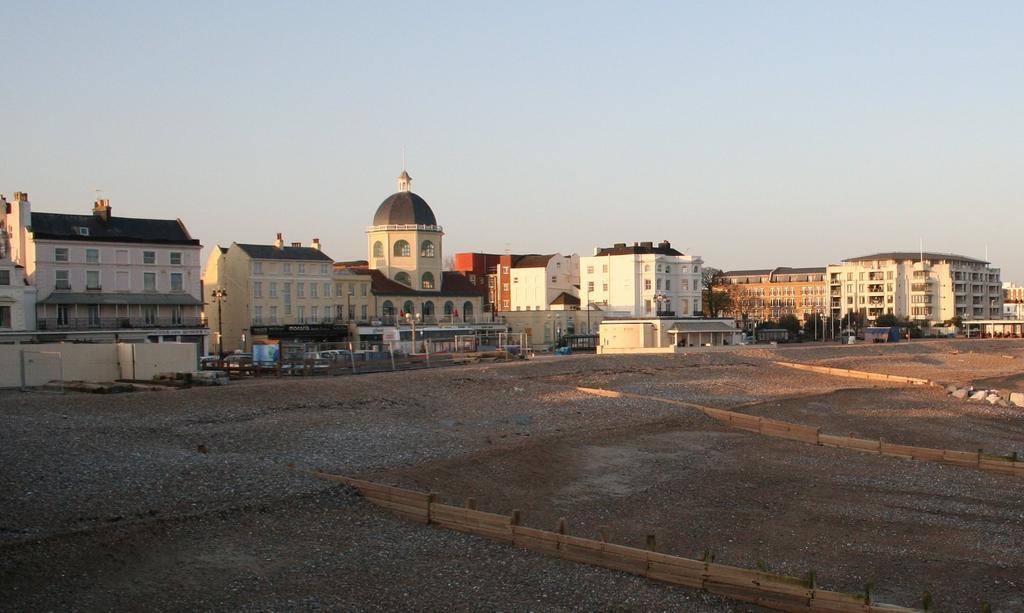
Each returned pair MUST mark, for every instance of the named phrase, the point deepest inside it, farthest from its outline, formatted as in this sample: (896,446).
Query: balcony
(117,323)
(921,288)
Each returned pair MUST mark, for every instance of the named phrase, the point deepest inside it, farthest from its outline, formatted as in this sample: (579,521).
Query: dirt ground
(185,499)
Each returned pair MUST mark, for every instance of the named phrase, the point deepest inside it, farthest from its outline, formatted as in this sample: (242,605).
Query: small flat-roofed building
(666,334)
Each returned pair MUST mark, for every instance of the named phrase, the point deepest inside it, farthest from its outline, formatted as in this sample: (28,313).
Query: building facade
(100,277)
(17,302)
(642,280)
(926,287)
(769,293)
(404,270)
(275,291)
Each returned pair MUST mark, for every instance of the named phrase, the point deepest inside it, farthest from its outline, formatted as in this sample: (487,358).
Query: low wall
(855,374)
(93,362)
(762,588)
(813,436)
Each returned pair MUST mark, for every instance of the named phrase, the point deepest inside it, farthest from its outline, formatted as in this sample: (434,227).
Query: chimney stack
(101,209)
(279,243)
(316,244)
(20,196)
(665,245)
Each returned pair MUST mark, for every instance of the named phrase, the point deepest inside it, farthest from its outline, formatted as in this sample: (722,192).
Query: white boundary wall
(98,362)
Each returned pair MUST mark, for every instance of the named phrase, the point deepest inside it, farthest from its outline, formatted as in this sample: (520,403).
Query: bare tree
(717,299)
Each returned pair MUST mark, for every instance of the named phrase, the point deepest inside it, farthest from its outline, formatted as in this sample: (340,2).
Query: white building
(642,280)
(17,299)
(105,278)
(922,286)
(537,281)
(1013,301)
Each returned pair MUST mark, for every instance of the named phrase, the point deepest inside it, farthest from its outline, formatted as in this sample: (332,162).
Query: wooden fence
(766,589)
(1007,465)
(856,374)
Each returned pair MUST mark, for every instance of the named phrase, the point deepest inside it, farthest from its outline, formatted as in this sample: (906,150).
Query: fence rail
(766,589)
(856,374)
(1007,465)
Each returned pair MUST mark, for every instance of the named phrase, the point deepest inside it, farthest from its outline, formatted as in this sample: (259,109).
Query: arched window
(402,249)
(428,309)
(427,280)
(408,308)
(467,311)
(426,249)
(403,278)
(388,310)
(378,249)
(448,307)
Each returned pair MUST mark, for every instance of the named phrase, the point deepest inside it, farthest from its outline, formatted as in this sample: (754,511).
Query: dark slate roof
(638,250)
(61,226)
(566,299)
(404,208)
(901,256)
(452,284)
(118,298)
(270,252)
(531,260)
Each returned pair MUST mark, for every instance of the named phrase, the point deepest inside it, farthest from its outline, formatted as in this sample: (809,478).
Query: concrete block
(979,395)
(993,398)
(1017,399)
(960,393)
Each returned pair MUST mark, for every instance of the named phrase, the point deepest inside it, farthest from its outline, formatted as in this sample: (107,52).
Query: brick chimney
(316,244)
(101,209)
(279,243)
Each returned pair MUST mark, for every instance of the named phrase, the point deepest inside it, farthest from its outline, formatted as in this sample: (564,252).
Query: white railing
(411,226)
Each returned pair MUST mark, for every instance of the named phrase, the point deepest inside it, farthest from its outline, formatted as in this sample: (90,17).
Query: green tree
(791,323)
(887,321)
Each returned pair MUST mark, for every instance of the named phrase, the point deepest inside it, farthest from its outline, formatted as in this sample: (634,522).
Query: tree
(887,321)
(815,325)
(791,323)
(716,296)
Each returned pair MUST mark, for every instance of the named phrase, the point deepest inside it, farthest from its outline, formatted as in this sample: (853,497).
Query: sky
(753,134)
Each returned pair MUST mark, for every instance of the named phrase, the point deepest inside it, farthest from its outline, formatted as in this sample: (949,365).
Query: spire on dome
(404,182)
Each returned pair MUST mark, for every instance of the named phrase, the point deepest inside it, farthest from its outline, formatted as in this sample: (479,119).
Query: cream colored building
(665,334)
(102,277)
(270,288)
(642,280)
(926,287)
(404,269)
(545,327)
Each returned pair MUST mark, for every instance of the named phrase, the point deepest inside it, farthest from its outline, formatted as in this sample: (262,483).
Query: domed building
(404,258)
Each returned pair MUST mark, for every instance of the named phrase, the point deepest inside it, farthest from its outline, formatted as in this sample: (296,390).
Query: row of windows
(259,268)
(92,256)
(427,310)
(150,314)
(329,313)
(426,280)
(300,289)
(93,281)
(402,249)
(683,284)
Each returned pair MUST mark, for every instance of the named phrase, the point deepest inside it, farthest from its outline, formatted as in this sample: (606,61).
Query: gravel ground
(108,501)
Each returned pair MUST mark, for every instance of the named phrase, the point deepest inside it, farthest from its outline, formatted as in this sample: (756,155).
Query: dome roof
(404,208)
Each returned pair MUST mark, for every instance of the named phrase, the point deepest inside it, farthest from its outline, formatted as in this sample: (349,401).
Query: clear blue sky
(751,133)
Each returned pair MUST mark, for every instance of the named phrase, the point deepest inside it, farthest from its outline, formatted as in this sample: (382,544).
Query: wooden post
(602,533)
(980,451)
(431,499)
(471,503)
(817,436)
(515,517)
(561,525)
(651,546)
(879,445)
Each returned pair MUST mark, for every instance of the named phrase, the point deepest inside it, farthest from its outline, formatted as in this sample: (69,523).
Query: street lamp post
(219,295)
(412,320)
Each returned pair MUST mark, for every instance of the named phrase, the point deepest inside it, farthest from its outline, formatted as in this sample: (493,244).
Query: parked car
(237,361)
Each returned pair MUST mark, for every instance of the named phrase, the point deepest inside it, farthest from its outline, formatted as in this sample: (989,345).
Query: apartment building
(1013,301)
(274,291)
(767,294)
(642,280)
(923,286)
(17,302)
(100,277)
